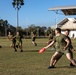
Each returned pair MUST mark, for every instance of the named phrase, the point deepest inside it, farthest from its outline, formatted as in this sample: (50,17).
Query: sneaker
(21,51)
(15,50)
(0,46)
(35,44)
(50,67)
(16,46)
(72,65)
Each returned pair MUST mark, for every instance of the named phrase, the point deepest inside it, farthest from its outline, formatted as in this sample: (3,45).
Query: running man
(67,31)
(13,40)
(33,36)
(19,41)
(62,47)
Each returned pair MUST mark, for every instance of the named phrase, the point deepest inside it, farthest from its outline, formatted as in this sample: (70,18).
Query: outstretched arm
(49,45)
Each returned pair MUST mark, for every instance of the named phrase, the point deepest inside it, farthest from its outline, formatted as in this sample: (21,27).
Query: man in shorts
(13,40)
(62,47)
(33,36)
(67,31)
(19,41)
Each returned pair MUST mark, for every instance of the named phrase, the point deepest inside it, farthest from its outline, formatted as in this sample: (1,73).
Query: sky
(33,12)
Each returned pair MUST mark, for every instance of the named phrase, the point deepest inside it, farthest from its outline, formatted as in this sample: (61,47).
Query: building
(68,23)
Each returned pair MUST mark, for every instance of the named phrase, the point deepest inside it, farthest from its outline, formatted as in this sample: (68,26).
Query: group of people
(63,45)
(16,40)
(61,42)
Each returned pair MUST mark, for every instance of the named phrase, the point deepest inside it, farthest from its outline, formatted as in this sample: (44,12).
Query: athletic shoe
(35,44)
(15,50)
(0,46)
(16,46)
(21,51)
(72,65)
(50,67)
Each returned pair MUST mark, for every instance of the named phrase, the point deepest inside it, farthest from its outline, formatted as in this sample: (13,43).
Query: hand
(64,48)
(74,50)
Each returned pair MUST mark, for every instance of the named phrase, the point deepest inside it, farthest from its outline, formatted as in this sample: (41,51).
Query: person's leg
(11,45)
(72,58)
(14,46)
(20,46)
(53,58)
(69,57)
(57,58)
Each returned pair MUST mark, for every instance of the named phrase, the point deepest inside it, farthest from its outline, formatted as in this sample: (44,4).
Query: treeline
(5,27)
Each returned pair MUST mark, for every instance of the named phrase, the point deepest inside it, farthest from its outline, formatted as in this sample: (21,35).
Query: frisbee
(42,50)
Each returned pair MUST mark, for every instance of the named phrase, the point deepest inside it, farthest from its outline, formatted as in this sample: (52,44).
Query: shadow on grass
(30,51)
(66,67)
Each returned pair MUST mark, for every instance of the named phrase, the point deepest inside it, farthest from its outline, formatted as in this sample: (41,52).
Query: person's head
(57,31)
(9,33)
(17,33)
(67,31)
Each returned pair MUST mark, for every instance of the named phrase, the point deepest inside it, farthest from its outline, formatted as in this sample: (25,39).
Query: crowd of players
(61,42)
(16,40)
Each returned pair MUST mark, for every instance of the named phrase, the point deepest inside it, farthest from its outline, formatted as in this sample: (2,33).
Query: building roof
(67,10)
(67,23)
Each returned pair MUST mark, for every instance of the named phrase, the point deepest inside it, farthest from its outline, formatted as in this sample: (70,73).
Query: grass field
(30,62)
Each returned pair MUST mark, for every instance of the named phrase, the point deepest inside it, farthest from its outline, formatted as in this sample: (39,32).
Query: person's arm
(68,42)
(49,45)
(72,48)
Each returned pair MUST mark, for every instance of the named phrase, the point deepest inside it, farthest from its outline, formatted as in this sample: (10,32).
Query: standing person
(33,36)
(13,40)
(19,41)
(62,47)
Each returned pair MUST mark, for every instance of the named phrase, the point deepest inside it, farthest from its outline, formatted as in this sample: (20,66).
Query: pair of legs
(14,46)
(33,41)
(58,55)
(19,45)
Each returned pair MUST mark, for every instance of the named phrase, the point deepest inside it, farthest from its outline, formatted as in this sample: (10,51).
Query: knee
(70,59)
(53,57)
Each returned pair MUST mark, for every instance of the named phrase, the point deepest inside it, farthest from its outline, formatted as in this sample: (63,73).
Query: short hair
(67,30)
(58,29)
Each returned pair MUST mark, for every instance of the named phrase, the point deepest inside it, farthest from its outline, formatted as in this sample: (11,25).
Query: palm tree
(17,5)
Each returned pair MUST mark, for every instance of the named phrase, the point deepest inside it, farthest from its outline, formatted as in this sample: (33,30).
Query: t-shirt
(19,38)
(60,42)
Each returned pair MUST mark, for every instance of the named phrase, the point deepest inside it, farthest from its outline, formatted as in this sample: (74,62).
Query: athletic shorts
(33,39)
(19,42)
(63,51)
(13,42)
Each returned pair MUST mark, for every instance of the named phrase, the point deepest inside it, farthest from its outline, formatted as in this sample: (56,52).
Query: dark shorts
(33,39)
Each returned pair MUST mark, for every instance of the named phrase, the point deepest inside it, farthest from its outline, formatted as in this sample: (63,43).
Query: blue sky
(33,12)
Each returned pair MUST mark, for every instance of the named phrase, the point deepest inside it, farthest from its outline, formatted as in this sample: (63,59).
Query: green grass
(30,62)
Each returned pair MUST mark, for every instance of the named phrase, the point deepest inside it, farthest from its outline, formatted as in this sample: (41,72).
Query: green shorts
(63,51)
(19,42)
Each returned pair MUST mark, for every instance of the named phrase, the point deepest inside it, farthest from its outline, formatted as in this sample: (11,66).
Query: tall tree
(17,4)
